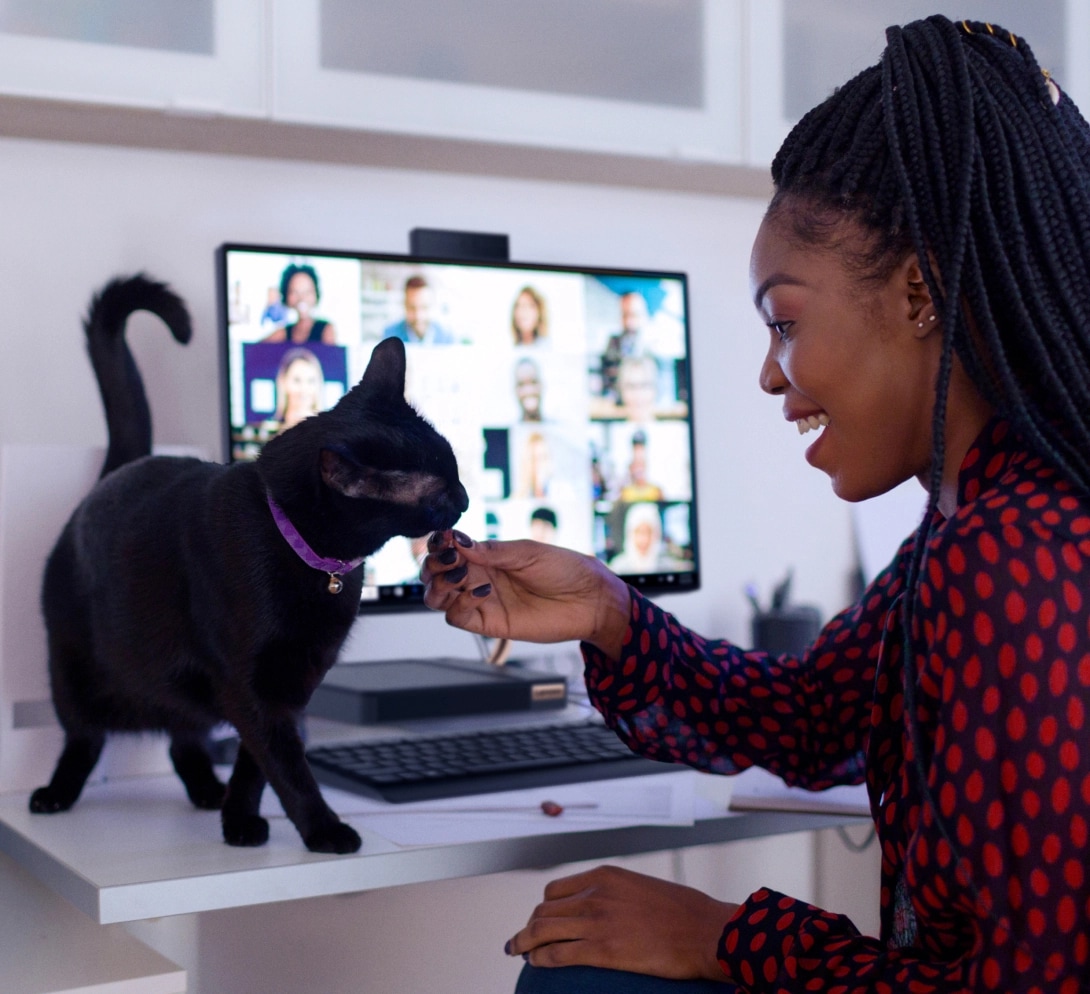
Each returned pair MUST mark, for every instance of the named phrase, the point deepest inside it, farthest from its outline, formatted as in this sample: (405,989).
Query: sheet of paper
(659,799)
(759,790)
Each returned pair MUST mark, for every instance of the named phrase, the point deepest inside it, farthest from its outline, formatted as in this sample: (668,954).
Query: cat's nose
(461,499)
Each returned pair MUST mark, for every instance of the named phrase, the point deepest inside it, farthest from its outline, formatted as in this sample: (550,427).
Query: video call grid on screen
(564,392)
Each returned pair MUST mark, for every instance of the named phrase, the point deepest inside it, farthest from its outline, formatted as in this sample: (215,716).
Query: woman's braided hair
(954,148)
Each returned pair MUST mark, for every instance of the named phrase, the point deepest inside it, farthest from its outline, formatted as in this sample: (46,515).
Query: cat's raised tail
(128,417)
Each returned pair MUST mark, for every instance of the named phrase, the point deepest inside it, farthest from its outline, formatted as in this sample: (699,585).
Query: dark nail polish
(462,539)
(447,556)
(507,947)
(482,591)
(457,575)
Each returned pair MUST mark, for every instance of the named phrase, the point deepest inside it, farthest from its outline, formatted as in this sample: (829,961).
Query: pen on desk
(548,808)
(751,596)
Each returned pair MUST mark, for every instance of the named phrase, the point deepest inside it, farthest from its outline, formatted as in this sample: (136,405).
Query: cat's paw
(245,830)
(47,801)
(335,838)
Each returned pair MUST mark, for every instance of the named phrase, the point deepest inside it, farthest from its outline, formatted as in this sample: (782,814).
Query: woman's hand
(614,918)
(525,590)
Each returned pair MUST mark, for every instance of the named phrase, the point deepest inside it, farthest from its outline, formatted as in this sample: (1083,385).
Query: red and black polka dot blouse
(985,881)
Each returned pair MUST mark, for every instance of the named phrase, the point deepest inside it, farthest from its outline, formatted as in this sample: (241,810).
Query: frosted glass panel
(642,51)
(827,43)
(164,25)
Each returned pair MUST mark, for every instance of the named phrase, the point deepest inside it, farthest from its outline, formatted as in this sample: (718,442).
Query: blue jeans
(596,980)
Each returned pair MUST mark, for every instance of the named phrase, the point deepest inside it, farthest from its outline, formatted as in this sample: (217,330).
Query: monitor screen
(564,392)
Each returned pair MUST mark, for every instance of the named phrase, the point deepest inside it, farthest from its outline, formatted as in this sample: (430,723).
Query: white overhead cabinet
(196,56)
(710,81)
(801,50)
(658,78)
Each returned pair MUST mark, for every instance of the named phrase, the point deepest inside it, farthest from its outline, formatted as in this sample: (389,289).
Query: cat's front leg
(290,776)
(277,749)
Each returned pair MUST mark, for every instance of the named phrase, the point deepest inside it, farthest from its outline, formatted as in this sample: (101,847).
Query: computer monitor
(563,390)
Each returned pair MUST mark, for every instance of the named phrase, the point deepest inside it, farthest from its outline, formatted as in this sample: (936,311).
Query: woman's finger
(551,922)
(576,952)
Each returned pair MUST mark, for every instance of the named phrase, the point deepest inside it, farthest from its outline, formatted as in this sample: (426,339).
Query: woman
(923,272)
(643,550)
(300,293)
(536,471)
(299,387)
(529,321)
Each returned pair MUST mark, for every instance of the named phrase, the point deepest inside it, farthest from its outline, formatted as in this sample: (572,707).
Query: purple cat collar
(334,567)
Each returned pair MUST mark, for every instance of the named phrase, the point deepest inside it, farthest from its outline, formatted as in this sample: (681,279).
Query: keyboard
(479,762)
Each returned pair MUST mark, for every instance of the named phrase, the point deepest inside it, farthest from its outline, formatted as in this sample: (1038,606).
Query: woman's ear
(919,306)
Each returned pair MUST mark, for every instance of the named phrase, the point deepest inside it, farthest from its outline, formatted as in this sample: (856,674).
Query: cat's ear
(342,473)
(385,372)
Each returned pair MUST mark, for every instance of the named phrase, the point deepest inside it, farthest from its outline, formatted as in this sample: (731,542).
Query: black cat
(179,594)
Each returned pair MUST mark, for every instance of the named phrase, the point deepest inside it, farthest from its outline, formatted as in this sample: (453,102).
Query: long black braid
(954,148)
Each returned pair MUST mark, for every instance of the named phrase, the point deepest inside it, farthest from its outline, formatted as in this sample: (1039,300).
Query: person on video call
(629,341)
(529,317)
(638,387)
(528,390)
(543,525)
(418,327)
(643,550)
(536,469)
(300,384)
(300,293)
(637,486)
(923,270)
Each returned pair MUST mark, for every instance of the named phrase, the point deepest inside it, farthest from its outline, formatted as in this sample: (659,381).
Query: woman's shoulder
(1022,545)
(1027,503)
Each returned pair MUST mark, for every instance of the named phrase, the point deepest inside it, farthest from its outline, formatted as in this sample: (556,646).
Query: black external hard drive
(403,689)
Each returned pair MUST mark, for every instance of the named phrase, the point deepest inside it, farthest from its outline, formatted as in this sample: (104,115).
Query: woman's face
(301,389)
(526,317)
(644,538)
(302,295)
(847,358)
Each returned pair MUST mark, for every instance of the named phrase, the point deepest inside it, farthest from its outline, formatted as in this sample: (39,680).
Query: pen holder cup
(790,630)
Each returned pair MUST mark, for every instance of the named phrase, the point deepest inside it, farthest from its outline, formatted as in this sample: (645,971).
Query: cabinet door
(800,51)
(628,77)
(204,55)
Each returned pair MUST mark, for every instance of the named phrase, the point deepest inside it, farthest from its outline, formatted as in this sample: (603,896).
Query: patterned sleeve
(996,869)
(679,698)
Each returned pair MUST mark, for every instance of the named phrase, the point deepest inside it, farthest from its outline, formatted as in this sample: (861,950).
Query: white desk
(136,849)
